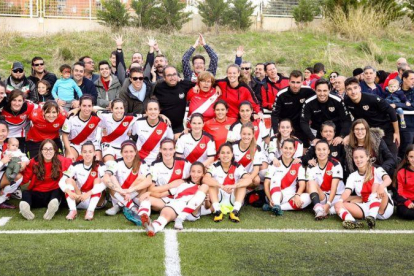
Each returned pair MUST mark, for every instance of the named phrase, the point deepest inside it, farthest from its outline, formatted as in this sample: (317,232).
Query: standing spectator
(339,87)
(107,85)
(401,63)
(39,72)
(18,80)
(157,70)
(306,75)
(368,85)
(358,73)
(87,86)
(382,76)
(198,61)
(332,78)
(272,84)
(246,72)
(318,72)
(89,68)
(259,72)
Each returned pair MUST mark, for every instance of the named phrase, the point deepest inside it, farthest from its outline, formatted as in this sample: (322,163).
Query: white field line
(172,254)
(4,220)
(211,230)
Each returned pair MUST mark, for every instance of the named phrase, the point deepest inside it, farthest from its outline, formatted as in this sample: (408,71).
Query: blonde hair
(368,169)
(253,143)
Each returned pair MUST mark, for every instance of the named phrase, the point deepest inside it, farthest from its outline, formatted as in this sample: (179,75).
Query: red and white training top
(124,174)
(324,176)
(274,152)
(244,158)
(184,192)
(286,176)
(83,175)
(18,121)
(81,131)
(260,132)
(41,129)
(196,150)
(116,131)
(202,102)
(149,138)
(162,175)
(230,177)
(355,182)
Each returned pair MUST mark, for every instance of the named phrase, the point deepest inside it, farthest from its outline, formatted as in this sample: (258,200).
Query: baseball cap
(17,65)
(357,71)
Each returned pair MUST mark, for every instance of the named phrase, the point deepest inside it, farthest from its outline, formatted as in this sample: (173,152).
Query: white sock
(345,215)
(159,224)
(71,202)
(237,206)
(94,201)
(145,208)
(374,205)
(192,204)
(216,206)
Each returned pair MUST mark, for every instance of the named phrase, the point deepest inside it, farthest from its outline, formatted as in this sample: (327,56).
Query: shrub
(114,14)
(214,13)
(305,11)
(239,14)
(171,15)
(66,54)
(146,13)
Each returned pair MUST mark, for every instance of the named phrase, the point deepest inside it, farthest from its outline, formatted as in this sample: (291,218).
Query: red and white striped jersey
(83,175)
(274,152)
(18,121)
(116,131)
(184,192)
(149,138)
(196,150)
(162,175)
(260,132)
(230,177)
(124,174)
(286,176)
(202,102)
(355,182)
(243,157)
(81,131)
(324,176)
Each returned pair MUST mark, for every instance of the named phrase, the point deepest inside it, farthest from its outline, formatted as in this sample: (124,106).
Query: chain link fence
(281,8)
(29,8)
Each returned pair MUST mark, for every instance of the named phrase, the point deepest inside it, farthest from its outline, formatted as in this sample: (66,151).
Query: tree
(239,14)
(409,4)
(305,11)
(213,13)
(146,11)
(171,15)
(113,14)
(392,9)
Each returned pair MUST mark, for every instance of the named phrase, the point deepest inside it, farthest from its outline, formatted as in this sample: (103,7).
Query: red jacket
(270,89)
(405,180)
(390,77)
(47,184)
(313,79)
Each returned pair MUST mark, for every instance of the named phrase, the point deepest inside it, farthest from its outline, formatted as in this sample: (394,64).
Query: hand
(296,161)
(151,41)
(312,162)
(326,208)
(261,116)
(338,140)
(393,105)
(186,130)
(397,139)
(84,196)
(271,203)
(6,159)
(201,40)
(196,89)
(127,197)
(72,194)
(314,141)
(218,91)
(75,104)
(118,41)
(197,42)
(255,116)
(104,132)
(229,188)
(345,141)
(165,118)
(239,51)
(381,191)
(408,104)
(411,206)
(276,162)
(22,166)
(298,201)
(60,102)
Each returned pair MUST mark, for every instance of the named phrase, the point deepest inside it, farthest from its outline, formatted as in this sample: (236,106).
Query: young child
(17,158)
(43,91)
(64,87)
(395,95)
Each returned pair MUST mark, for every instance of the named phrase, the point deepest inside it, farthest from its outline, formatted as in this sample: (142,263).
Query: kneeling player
(285,184)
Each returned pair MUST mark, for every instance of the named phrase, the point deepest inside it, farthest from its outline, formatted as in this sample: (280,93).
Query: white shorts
(389,210)
(225,198)
(85,204)
(177,205)
(78,148)
(107,149)
(335,200)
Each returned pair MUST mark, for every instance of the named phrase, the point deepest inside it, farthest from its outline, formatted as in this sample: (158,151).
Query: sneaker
(52,208)
(218,216)
(277,210)
(234,216)
(6,205)
(371,222)
(89,215)
(266,207)
(349,224)
(72,215)
(178,225)
(25,210)
(320,213)
(113,211)
(147,224)
(403,124)
(17,194)
(132,216)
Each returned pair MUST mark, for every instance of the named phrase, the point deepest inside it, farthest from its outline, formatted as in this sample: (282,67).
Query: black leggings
(405,213)
(41,199)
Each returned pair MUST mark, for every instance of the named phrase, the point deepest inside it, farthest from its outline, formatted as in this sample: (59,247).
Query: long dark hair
(404,164)
(226,144)
(95,163)
(13,95)
(39,167)
(279,135)
(196,163)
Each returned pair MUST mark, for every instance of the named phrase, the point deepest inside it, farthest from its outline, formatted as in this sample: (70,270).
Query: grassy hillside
(291,50)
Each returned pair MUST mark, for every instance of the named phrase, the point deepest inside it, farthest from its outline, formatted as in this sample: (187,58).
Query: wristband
(297,195)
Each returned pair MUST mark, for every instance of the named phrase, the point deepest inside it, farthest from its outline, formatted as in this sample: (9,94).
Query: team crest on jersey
(91,125)
(293,172)
(255,128)
(334,154)
(22,117)
(231,176)
(365,107)
(202,146)
(248,156)
(302,100)
(125,124)
(55,125)
(93,174)
(331,109)
(159,131)
(181,95)
(178,171)
(329,173)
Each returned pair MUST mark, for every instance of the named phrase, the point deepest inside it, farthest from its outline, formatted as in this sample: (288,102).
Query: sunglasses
(137,78)
(38,64)
(245,68)
(17,71)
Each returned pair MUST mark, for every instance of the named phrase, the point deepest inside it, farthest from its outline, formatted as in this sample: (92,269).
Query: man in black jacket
(87,86)
(289,103)
(18,80)
(39,72)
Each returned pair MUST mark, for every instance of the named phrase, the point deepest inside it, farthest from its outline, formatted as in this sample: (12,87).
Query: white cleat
(113,211)
(178,225)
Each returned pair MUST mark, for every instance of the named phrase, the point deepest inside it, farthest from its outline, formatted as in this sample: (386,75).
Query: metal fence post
(31,8)
(90,9)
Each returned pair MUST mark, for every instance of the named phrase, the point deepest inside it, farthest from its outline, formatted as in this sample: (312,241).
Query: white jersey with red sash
(116,131)
(196,150)
(18,121)
(162,175)
(275,152)
(260,132)
(355,182)
(230,177)
(286,176)
(324,176)
(244,158)
(81,131)
(124,174)
(149,138)
(83,175)
(184,192)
